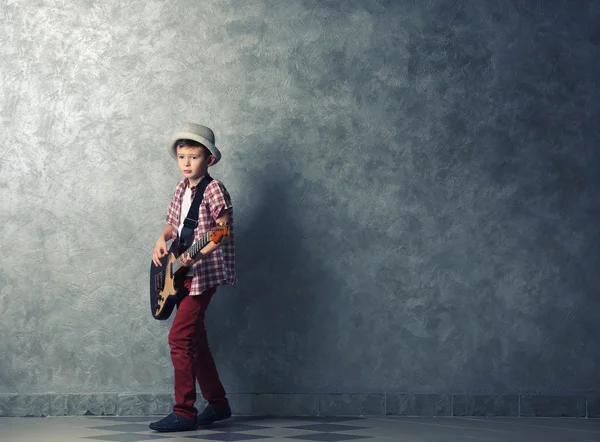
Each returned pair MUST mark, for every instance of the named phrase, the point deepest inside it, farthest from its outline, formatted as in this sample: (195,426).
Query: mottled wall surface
(415,186)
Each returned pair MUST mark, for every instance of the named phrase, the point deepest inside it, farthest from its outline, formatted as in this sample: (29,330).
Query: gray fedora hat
(196,132)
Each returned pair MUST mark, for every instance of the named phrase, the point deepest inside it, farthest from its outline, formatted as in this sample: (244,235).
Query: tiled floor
(401,429)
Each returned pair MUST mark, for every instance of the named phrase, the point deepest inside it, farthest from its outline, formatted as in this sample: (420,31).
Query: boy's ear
(211,160)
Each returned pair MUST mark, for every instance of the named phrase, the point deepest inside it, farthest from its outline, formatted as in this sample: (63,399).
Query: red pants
(191,355)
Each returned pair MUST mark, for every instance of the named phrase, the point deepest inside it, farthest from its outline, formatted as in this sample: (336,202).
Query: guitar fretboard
(192,251)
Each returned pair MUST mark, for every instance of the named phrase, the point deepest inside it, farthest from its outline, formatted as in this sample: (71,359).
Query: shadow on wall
(263,331)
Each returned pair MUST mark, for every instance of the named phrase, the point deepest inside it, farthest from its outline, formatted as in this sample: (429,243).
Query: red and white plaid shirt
(218,268)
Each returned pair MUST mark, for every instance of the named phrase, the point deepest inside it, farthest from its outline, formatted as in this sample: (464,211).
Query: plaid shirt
(219,267)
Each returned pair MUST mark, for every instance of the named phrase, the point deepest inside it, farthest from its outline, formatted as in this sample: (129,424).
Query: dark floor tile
(227,437)
(125,437)
(329,419)
(250,418)
(327,427)
(327,437)
(232,427)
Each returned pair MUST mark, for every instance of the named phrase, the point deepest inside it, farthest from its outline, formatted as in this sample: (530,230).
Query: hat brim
(191,136)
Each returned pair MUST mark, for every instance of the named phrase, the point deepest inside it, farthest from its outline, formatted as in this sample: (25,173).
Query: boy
(195,151)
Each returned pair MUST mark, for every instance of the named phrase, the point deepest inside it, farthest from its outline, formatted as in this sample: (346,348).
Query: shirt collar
(186,183)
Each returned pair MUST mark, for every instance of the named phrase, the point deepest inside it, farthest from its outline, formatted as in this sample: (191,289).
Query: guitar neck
(193,250)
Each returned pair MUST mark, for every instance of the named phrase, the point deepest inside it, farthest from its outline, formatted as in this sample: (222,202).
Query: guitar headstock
(218,233)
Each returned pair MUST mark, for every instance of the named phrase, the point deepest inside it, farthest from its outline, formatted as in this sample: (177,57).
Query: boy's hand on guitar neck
(185,258)
(186,261)
(160,248)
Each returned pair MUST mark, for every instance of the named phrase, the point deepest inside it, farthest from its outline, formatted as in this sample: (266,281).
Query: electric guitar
(166,280)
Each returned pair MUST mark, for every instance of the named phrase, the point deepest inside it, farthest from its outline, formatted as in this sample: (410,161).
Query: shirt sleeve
(218,199)
(172,216)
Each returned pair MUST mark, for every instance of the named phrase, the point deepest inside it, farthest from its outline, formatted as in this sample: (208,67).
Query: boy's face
(193,162)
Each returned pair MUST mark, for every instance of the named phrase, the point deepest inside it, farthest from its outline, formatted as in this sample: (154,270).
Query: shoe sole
(168,430)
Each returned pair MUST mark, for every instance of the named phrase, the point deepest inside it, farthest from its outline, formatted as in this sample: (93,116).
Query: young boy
(195,151)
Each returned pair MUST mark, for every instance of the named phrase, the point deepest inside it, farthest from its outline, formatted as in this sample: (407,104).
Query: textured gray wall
(416,189)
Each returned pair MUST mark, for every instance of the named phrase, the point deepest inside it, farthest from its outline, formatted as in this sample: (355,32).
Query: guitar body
(164,286)
(166,281)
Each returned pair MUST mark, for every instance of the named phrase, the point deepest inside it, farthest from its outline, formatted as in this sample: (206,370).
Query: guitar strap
(191,221)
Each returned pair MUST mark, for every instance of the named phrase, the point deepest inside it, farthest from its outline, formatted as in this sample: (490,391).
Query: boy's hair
(192,143)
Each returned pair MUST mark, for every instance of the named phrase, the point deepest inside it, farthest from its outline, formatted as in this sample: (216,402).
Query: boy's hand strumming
(160,251)
(160,248)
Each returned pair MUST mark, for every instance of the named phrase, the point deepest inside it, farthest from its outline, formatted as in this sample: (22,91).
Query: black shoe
(212,414)
(173,422)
